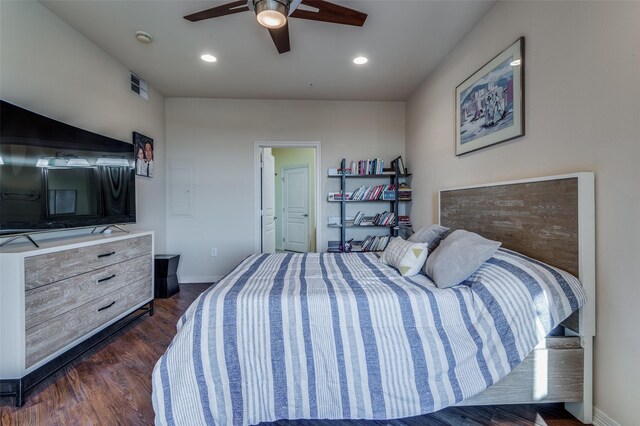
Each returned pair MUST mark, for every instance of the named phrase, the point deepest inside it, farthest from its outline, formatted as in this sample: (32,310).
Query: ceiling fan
(273,14)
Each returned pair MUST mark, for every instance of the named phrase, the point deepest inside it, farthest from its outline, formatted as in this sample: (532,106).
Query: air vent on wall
(140,87)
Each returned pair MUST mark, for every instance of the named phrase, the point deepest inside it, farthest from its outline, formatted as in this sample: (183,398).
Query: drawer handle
(107,307)
(106,254)
(106,279)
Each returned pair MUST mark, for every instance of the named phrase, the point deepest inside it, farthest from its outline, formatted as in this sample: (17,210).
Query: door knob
(305,215)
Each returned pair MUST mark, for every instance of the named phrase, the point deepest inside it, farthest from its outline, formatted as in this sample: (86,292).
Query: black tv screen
(57,176)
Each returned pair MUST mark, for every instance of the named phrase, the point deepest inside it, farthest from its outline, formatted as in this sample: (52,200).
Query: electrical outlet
(214,252)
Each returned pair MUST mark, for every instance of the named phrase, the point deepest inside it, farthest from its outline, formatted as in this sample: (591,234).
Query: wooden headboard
(551,219)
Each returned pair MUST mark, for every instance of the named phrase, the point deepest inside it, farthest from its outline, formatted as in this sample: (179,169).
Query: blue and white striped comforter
(344,336)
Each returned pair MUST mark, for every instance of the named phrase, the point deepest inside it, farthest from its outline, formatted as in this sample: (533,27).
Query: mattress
(339,336)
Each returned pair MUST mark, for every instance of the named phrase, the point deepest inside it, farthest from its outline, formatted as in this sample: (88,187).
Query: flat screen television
(54,176)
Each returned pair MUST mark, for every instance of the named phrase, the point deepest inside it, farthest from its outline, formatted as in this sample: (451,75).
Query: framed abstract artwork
(490,103)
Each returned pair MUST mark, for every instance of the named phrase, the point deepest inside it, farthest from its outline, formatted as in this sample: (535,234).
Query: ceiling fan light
(271,13)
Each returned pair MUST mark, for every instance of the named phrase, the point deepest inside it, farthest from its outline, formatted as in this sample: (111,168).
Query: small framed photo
(143,146)
(489,104)
(389,195)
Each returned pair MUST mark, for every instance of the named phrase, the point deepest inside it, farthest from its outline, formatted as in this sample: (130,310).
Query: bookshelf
(390,193)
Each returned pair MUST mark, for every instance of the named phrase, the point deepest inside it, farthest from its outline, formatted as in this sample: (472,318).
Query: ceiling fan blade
(280,38)
(329,12)
(214,12)
(293,6)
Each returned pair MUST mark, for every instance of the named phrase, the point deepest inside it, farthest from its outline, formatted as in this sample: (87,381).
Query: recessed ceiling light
(144,37)
(208,58)
(516,62)
(360,60)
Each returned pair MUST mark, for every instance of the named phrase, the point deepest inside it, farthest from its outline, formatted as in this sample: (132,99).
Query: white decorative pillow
(458,256)
(405,256)
(430,235)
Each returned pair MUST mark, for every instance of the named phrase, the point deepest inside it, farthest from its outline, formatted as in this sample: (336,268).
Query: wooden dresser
(54,298)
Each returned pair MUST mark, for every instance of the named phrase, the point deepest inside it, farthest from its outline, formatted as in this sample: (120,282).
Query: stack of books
(404,221)
(404,192)
(337,196)
(333,246)
(335,221)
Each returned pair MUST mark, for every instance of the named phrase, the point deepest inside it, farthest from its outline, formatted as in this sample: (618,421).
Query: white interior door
(268,202)
(295,208)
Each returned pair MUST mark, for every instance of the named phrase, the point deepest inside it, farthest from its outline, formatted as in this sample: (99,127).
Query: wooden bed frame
(551,219)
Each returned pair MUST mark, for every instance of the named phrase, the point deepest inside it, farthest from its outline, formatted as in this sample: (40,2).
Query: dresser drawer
(46,338)
(48,268)
(47,302)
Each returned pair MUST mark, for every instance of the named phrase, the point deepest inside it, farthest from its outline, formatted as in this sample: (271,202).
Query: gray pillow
(458,256)
(430,235)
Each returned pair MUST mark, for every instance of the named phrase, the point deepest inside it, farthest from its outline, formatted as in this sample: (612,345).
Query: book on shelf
(368,221)
(389,194)
(337,196)
(370,167)
(398,164)
(401,169)
(404,192)
(383,219)
(372,243)
(333,246)
(372,193)
(335,220)
(357,219)
(404,220)
(361,167)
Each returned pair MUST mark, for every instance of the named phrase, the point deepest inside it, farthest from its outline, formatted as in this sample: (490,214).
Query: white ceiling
(404,41)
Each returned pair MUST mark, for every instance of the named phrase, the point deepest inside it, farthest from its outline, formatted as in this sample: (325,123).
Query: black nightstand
(166,280)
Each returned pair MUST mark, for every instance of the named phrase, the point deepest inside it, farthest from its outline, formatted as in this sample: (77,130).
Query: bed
(303,336)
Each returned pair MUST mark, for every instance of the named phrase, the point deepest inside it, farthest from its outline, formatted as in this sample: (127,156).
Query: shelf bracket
(110,226)
(17,237)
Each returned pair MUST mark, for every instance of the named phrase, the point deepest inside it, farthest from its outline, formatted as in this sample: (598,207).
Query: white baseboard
(600,418)
(195,279)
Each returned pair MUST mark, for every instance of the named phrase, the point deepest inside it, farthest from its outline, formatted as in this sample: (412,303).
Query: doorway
(295,202)
(268,202)
(287,204)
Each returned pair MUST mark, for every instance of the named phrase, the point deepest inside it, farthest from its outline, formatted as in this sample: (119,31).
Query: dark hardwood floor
(111,385)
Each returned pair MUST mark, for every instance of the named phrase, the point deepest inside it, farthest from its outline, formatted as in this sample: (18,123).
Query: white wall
(582,113)
(48,67)
(217,136)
